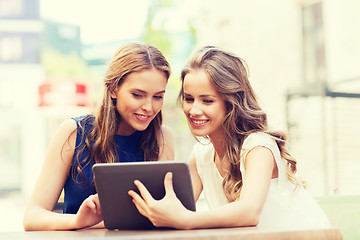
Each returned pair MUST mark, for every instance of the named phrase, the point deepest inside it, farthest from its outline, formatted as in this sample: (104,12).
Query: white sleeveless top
(284,206)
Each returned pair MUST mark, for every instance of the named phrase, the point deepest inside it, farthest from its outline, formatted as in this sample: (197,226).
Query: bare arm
(166,144)
(244,212)
(38,214)
(259,166)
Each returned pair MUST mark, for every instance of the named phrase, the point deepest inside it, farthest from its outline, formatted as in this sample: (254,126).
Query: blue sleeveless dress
(77,188)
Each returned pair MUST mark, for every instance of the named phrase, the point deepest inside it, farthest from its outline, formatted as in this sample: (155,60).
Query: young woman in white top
(246,173)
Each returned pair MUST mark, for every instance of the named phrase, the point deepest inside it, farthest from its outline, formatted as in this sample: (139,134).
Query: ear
(113,93)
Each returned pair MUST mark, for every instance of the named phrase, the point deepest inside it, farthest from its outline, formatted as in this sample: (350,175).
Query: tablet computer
(114,180)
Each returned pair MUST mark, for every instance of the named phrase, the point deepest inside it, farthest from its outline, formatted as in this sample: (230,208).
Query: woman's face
(203,105)
(139,98)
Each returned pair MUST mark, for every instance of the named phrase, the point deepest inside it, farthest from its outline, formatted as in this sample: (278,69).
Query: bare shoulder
(65,137)
(260,157)
(68,125)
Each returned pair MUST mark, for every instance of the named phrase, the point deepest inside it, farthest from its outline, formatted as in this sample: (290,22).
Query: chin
(198,133)
(141,128)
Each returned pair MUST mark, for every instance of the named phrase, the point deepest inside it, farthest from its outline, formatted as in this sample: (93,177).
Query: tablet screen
(114,180)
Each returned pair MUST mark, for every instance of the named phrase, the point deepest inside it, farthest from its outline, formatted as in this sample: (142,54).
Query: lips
(198,122)
(141,117)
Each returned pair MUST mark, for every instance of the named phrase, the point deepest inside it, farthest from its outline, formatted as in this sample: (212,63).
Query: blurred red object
(62,93)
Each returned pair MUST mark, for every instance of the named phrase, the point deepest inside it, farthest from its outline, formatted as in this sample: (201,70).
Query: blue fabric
(76,188)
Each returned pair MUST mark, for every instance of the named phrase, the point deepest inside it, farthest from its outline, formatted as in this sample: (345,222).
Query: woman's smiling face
(203,105)
(139,98)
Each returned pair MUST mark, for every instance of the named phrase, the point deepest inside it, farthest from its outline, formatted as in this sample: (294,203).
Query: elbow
(26,227)
(26,222)
(252,216)
(253,219)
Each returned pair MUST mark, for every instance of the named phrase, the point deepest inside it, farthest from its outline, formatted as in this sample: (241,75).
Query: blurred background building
(303,57)
(31,102)
(20,75)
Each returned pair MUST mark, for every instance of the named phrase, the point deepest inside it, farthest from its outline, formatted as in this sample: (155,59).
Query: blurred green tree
(58,65)
(155,34)
(169,27)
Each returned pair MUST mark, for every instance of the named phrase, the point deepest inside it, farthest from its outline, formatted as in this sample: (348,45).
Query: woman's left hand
(167,212)
(89,213)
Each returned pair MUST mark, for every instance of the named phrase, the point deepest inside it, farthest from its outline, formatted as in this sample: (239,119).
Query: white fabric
(284,206)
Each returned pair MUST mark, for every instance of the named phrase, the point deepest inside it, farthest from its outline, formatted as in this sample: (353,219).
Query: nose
(195,109)
(147,105)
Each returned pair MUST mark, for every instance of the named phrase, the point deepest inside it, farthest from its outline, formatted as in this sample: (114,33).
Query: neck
(219,146)
(221,162)
(218,140)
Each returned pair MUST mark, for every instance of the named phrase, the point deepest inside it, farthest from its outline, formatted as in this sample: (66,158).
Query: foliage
(161,31)
(344,213)
(58,65)
(156,35)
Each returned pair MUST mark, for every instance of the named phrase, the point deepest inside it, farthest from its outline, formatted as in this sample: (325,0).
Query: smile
(198,122)
(141,117)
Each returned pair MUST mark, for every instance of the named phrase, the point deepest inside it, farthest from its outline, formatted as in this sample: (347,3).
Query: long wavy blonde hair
(229,75)
(131,57)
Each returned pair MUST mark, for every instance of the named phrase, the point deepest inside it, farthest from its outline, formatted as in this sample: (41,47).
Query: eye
(159,97)
(188,99)
(136,95)
(208,101)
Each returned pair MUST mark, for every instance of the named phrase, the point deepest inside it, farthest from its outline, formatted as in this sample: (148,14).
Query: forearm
(36,219)
(229,215)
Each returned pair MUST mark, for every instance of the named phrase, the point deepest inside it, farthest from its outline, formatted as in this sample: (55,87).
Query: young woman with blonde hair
(245,172)
(127,128)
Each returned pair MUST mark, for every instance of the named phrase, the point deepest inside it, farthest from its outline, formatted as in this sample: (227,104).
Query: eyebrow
(142,91)
(203,95)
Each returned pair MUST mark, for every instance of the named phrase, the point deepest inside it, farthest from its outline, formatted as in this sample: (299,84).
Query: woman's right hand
(167,212)
(89,213)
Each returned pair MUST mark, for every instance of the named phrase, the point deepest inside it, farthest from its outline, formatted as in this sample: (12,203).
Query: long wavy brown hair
(131,57)
(229,74)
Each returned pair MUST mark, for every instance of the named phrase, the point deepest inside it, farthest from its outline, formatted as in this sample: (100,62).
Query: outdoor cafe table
(243,233)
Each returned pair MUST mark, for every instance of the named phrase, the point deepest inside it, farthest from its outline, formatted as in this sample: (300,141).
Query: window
(10,49)
(313,43)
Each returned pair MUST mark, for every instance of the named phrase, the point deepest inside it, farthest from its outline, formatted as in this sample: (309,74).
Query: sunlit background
(303,57)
